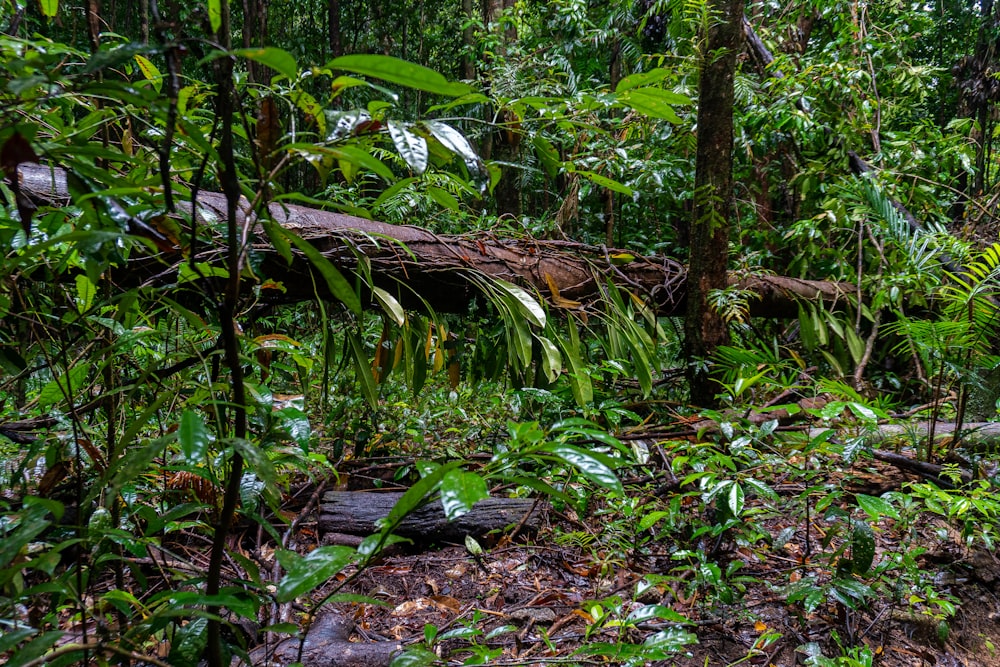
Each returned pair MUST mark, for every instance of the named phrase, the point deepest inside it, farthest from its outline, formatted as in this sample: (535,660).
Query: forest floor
(770,591)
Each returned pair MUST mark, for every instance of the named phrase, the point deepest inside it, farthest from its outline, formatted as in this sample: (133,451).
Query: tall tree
(704,328)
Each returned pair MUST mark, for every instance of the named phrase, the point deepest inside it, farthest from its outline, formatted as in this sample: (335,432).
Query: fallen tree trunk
(417,265)
(356,512)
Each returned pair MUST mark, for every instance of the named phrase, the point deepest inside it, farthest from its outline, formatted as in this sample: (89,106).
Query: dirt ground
(531,601)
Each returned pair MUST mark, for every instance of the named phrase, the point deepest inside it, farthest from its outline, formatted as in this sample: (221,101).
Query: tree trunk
(411,262)
(333,28)
(254,35)
(468,42)
(704,328)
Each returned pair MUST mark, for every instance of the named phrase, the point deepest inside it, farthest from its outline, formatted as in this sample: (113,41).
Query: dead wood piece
(355,513)
(931,471)
(327,644)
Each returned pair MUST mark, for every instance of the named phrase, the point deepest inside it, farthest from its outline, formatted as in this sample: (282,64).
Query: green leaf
(547,155)
(595,467)
(415,656)
(34,649)
(580,383)
(418,493)
(49,8)
(412,147)
(31,520)
(524,301)
(402,72)
(855,345)
(193,436)
(461,490)
(442,197)
(255,457)
(64,387)
(85,293)
(277,59)
(361,158)
(456,142)
(304,574)
(654,102)
(189,274)
(735,499)
(149,71)
(642,79)
(551,359)
(605,182)
(389,305)
(362,369)
(189,643)
(215,14)
(335,281)
(295,424)
(876,508)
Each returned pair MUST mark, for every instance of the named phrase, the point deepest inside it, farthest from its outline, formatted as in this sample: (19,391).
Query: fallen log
(356,512)
(326,644)
(417,265)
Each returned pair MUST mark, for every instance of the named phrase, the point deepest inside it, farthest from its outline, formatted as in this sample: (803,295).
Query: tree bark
(704,328)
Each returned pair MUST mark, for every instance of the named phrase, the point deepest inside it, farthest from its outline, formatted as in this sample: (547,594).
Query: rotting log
(356,512)
(417,265)
(327,644)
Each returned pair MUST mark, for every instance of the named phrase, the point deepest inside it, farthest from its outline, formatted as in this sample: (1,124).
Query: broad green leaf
(49,8)
(362,369)
(595,467)
(876,508)
(188,644)
(526,304)
(64,387)
(415,656)
(648,612)
(399,72)
(642,79)
(308,105)
(193,437)
(35,649)
(256,458)
(305,574)
(547,155)
(277,59)
(654,102)
(295,424)
(149,71)
(855,345)
(583,389)
(188,274)
(735,499)
(443,197)
(335,281)
(605,182)
(361,158)
(31,520)
(460,490)
(215,14)
(389,304)
(85,293)
(411,146)
(456,142)
(551,359)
